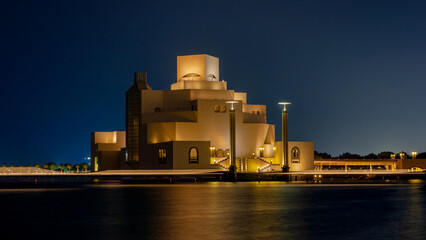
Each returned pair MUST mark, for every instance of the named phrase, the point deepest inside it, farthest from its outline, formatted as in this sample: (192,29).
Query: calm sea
(216,211)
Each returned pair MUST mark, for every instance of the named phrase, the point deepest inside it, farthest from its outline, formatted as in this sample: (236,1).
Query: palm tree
(85,166)
(45,166)
(4,165)
(37,166)
(61,166)
(69,166)
(77,166)
(53,166)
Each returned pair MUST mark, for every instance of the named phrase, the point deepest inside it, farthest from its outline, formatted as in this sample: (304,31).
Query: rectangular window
(162,156)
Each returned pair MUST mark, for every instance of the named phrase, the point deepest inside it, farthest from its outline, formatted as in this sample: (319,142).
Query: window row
(221,108)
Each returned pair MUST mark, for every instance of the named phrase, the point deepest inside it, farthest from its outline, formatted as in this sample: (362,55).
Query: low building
(370,164)
(105,150)
(188,126)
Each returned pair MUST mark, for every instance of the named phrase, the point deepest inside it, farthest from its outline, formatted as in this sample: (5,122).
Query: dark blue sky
(355,71)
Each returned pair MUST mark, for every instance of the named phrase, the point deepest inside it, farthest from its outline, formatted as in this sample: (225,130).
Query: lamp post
(284,159)
(232,155)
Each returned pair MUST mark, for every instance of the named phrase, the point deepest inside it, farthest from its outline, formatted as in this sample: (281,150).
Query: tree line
(381,155)
(66,167)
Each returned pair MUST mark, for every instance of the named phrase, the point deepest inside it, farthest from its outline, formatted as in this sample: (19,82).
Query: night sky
(355,71)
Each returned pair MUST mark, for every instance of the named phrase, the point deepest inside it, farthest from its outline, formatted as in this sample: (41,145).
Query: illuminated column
(232,154)
(284,159)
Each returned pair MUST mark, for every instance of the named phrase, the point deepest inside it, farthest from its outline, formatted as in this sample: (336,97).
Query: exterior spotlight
(284,104)
(414,154)
(232,104)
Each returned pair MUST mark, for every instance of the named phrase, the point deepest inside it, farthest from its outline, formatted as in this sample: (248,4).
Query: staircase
(267,167)
(219,163)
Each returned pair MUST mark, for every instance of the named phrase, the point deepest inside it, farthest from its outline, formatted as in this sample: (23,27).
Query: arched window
(222,108)
(295,155)
(258,113)
(193,155)
(162,155)
(157,109)
(220,153)
(211,78)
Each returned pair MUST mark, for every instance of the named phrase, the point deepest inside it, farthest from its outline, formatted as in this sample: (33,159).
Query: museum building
(188,127)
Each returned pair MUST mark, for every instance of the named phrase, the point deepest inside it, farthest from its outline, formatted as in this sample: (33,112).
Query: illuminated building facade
(187,127)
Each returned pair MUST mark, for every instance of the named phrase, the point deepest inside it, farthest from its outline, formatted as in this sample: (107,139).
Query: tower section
(134,116)
(198,72)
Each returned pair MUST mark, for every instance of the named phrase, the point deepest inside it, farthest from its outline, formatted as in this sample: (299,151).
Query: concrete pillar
(371,168)
(284,160)
(346,167)
(232,154)
(285,137)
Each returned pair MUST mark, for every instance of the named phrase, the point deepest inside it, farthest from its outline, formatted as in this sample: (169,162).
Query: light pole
(284,159)
(232,155)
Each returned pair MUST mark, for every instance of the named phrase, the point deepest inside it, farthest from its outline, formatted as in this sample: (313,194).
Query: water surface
(216,211)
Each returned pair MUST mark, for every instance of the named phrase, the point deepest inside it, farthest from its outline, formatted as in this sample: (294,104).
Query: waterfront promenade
(39,177)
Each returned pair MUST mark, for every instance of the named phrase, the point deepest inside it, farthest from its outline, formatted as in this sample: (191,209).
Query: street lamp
(232,155)
(414,154)
(284,159)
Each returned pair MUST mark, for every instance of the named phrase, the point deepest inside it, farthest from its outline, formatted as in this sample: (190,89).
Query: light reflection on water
(266,210)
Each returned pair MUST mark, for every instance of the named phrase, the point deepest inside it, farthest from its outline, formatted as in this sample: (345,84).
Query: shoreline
(71,180)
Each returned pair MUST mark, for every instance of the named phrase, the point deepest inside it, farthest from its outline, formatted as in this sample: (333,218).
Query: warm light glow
(232,104)
(284,104)
(414,154)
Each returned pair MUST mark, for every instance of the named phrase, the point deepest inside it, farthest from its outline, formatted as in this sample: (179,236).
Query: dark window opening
(295,155)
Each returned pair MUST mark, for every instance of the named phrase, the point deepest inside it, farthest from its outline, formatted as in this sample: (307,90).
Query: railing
(268,164)
(221,160)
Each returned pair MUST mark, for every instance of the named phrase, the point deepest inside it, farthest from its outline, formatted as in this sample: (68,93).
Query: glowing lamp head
(232,104)
(284,104)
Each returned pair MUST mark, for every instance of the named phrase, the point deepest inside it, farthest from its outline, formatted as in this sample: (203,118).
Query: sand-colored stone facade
(187,127)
